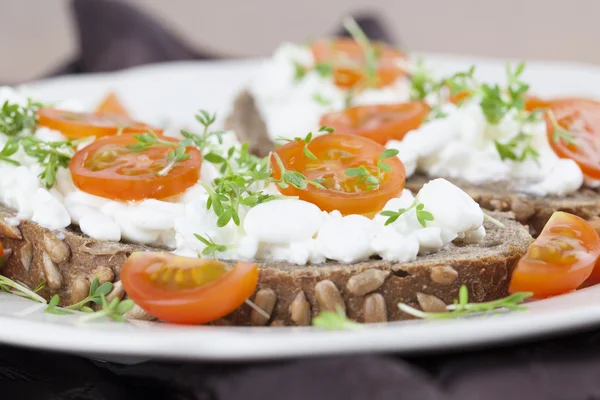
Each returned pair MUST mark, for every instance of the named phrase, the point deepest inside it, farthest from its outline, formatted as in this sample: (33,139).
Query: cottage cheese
(461,145)
(289,108)
(290,230)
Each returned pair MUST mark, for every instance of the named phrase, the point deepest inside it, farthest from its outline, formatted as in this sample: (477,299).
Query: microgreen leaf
(299,71)
(211,247)
(95,294)
(559,133)
(53,308)
(324,69)
(462,307)
(321,100)
(370,53)
(334,321)
(10,286)
(113,310)
(15,118)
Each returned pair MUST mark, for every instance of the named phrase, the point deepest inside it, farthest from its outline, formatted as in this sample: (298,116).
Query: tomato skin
(581,117)
(380,123)
(548,268)
(349,65)
(197,305)
(111,104)
(594,278)
(2,255)
(358,151)
(77,125)
(112,184)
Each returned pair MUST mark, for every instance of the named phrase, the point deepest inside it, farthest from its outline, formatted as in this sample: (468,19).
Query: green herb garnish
(422,215)
(211,247)
(15,119)
(335,321)
(370,53)
(95,295)
(462,307)
(113,310)
(510,150)
(559,133)
(321,100)
(9,286)
(53,308)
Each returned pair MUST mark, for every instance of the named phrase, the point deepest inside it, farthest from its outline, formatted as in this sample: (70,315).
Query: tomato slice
(2,255)
(348,60)
(581,117)
(107,168)
(595,276)
(560,259)
(380,123)
(77,125)
(336,153)
(112,105)
(186,290)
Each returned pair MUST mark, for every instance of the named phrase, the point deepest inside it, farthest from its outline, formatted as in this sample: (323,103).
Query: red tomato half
(560,259)
(581,118)
(336,153)
(77,125)
(112,105)
(186,290)
(107,168)
(380,123)
(348,59)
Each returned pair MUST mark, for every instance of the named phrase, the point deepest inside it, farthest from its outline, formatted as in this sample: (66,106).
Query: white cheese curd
(462,145)
(48,211)
(391,246)
(283,221)
(452,208)
(49,135)
(593,183)
(347,239)
(100,226)
(291,108)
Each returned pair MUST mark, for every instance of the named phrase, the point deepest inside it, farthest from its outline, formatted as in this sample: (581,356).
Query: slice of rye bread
(369,291)
(533,211)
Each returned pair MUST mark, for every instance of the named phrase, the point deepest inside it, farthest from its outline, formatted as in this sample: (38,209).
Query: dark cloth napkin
(559,369)
(113,35)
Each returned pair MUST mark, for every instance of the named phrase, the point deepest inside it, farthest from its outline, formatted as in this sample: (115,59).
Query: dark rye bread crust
(369,291)
(533,211)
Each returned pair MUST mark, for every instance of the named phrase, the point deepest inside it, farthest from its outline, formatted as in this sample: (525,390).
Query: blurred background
(40,36)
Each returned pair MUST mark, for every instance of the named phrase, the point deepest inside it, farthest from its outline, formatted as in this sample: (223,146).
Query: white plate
(176,91)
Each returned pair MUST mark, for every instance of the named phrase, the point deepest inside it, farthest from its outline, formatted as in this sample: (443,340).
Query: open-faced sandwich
(509,150)
(322,223)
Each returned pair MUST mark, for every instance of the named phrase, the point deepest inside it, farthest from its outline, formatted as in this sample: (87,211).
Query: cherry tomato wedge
(2,255)
(380,123)
(560,259)
(112,105)
(76,125)
(335,154)
(595,276)
(186,290)
(349,63)
(581,118)
(108,168)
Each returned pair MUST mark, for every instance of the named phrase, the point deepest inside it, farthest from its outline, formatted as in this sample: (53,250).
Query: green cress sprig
(211,247)
(15,119)
(305,150)
(335,321)
(462,307)
(50,155)
(370,52)
(422,215)
(364,175)
(495,103)
(559,133)
(176,153)
(9,286)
